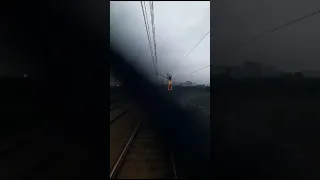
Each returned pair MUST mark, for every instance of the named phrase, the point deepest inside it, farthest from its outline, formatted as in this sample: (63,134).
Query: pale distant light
(117,85)
(25,75)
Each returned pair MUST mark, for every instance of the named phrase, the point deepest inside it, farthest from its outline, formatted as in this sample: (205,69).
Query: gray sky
(293,48)
(179,26)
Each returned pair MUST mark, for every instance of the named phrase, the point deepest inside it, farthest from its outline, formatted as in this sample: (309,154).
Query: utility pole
(169,77)
(169,82)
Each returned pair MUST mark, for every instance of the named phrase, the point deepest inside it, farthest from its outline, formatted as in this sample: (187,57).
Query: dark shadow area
(55,121)
(269,126)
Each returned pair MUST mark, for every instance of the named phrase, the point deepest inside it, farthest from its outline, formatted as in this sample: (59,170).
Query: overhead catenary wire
(148,30)
(192,75)
(154,32)
(153,29)
(198,43)
(148,33)
(153,47)
(179,63)
(193,48)
(191,51)
(155,59)
(144,12)
(186,68)
(272,30)
(183,65)
(200,69)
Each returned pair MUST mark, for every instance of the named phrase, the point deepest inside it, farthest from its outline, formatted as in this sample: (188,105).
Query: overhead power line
(191,74)
(193,48)
(191,51)
(273,30)
(175,47)
(200,69)
(149,36)
(144,12)
(197,71)
(162,75)
(154,32)
(197,43)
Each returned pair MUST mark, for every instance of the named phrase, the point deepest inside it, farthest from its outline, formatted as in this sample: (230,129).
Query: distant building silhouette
(311,73)
(188,83)
(247,69)
(298,75)
(270,71)
(252,69)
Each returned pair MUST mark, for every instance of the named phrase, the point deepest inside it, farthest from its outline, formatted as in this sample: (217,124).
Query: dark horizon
(284,34)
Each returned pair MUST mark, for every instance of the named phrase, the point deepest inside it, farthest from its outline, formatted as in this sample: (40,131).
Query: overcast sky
(179,27)
(294,48)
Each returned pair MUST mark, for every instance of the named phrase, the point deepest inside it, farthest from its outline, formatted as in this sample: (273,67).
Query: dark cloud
(292,48)
(179,26)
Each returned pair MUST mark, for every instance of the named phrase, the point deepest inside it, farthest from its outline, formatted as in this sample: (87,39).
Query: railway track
(116,111)
(117,115)
(140,156)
